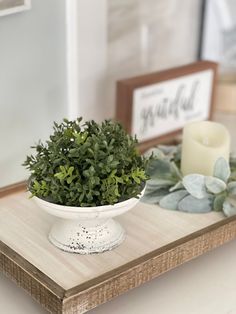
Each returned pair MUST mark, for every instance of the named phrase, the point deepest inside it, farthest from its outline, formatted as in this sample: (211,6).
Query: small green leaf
(70,170)
(110,158)
(137,180)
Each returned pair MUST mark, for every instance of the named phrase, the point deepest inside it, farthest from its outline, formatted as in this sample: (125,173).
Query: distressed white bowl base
(87,230)
(86,237)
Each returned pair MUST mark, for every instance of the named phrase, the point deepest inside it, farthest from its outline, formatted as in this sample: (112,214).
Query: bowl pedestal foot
(86,236)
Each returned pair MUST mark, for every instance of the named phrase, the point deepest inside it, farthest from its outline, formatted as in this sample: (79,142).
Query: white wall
(92,58)
(64,57)
(121,38)
(32,81)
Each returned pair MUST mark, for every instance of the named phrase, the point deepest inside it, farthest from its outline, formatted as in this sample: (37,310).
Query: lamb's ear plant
(193,193)
(87,164)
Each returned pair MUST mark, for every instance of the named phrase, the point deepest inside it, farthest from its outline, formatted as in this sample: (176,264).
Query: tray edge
(97,291)
(89,295)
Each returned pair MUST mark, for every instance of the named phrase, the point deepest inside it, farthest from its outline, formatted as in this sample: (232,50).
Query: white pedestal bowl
(86,230)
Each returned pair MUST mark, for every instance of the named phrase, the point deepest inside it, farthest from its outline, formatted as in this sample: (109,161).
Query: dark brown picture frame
(125,90)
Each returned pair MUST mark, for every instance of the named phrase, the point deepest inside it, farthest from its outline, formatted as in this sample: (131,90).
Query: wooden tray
(157,241)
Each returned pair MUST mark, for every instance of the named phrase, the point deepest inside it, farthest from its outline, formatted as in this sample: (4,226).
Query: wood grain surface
(24,228)
(157,240)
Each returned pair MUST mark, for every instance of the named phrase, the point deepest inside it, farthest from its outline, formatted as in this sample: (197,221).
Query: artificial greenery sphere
(87,164)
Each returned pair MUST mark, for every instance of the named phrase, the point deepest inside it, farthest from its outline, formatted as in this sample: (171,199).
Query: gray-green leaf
(153,188)
(171,200)
(191,204)
(195,185)
(215,185)
(156,152)
(168,149)
(218,202)
(155,196)
(175,170)
(229,209)
(232,188)
(160,182)
(222,169)
(159,168)
(177,186)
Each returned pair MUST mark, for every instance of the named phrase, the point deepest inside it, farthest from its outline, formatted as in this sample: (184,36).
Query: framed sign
(13,6)
(155,107)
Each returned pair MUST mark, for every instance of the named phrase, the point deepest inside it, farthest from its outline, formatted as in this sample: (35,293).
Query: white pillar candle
(203,143)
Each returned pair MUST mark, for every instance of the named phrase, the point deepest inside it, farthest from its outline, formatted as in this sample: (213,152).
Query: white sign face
(165,107)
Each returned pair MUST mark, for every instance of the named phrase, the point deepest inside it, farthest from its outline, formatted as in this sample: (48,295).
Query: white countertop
(206,285)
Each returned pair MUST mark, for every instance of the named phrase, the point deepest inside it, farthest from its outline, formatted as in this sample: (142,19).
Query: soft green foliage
(232,188)
(172,200)
(222,169)
(87,165)
(232,163)
(229,209)
(191,204)
(215,185)
(164,173)
(193,193)
(195,185)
